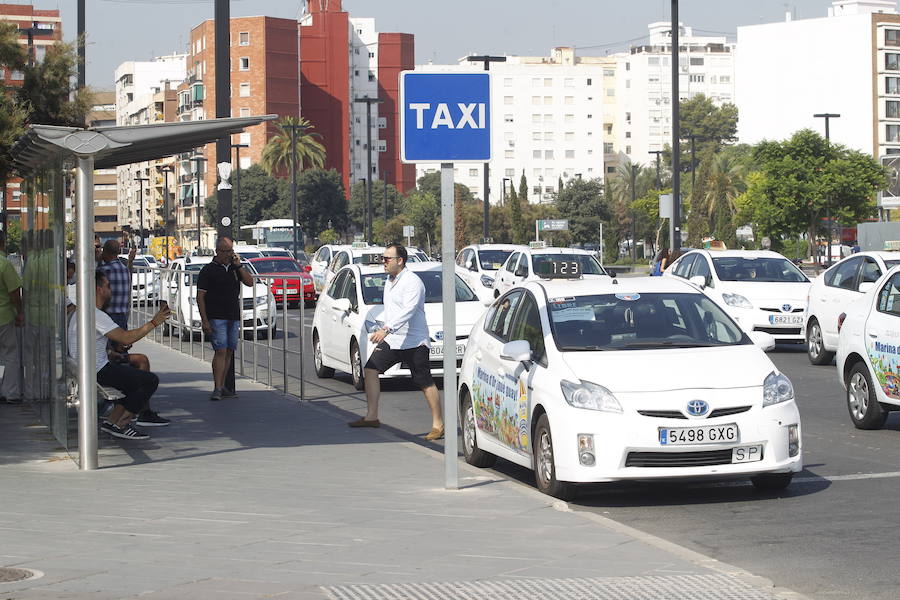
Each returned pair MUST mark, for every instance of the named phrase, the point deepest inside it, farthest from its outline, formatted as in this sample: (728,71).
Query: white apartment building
(364,82)
(547,121)
(846,62)
(643,86)
(140,100)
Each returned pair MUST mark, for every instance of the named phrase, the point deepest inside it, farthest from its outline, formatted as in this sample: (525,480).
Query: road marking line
(854,477)
(208,520)
(249,514)
(156,535)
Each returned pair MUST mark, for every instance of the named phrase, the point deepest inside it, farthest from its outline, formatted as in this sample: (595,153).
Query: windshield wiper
(663,344)
(583,349)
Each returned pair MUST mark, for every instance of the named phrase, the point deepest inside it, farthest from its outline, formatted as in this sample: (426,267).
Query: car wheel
(356,366)
(865,410)
(322,371)
(771,482)
(545,463)
(474,456)
(815,345)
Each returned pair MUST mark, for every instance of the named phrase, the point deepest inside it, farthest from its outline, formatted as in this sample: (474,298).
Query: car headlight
(373,326)
(589,396)
(777,388)
(487,281)
(736,300)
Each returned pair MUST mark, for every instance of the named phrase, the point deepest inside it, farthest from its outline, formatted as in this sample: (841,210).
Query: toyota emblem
(439,335)
(786,308)
(697,408)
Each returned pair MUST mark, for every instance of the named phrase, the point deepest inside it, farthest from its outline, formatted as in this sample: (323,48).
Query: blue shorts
(224,334)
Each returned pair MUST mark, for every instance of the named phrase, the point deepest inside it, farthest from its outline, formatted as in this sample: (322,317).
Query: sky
(123,30)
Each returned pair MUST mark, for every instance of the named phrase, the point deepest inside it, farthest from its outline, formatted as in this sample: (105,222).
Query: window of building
(356,72)
(892,37)
(244,63)
(371,55)
(536,154)
(892,109)
(244,138)
(548,82)
(548,99)
(509,135)
(548,136)
(590,116)
(570,154)
(610,169)
(608,148)
(569,100)
(569,136)
(724,78)
(549,173)
(245,112)
(535,99)
(507,99)
(507,82)
(590,151)
(892,61)
(548,118)
(371,76)
(536,189)
(653,61)
(697,60)
(548,154)
(697,78)
(537,173)
(507,118)
(569,118)
(892,85)
(628,117)
(509,154)
(610,92)
(608,127)
(627,84)
(509,172)
(609,73)
(535,118)
(568,82)
(589,82)
(627,66)
(536,136)
(244,38)
(627,149)
(244,90)
(473,172)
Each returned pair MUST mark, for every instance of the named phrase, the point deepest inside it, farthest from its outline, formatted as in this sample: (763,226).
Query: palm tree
(725,183)
(310,152)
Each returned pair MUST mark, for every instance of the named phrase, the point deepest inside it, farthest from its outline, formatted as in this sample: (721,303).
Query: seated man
(120,354)
(137,385)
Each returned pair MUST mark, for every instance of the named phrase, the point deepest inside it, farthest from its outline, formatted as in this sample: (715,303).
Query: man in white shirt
(137,385)
(404,337)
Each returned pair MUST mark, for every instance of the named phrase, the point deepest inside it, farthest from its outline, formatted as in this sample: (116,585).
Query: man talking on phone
(219,301)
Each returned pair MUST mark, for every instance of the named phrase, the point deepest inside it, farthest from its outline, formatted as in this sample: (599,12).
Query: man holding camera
(219,302)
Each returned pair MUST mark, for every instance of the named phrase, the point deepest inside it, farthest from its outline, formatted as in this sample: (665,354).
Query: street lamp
(197,159)
(657,153)
(237,189)
(140,181)
(167,205)
(486,60)
(366,215)
(368,102)
(505,179)
(828,117)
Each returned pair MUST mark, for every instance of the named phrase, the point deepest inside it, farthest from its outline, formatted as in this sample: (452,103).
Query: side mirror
(341,304)
(763,340)
(699,281)
(865,286)
(520,272)
(612,273)
(473,266)
(517,351)
(307,268)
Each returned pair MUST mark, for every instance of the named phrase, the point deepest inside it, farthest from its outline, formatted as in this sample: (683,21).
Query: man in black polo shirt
(219,301)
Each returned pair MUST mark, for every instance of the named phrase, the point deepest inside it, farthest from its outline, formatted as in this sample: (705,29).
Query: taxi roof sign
(538,245)
(355,245)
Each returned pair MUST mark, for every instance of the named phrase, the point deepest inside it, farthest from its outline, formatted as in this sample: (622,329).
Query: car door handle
(873,335)
(501,372)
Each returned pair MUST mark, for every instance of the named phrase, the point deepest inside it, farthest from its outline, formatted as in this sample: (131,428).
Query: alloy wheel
(858,396)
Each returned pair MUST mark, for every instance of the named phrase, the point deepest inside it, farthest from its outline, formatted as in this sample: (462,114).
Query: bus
(275,232)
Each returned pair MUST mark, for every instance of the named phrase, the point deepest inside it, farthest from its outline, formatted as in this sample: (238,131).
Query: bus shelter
(41,157)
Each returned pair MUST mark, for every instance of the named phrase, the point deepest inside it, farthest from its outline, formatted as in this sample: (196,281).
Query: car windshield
(248,254)
(588,264)
(194,266)
(890,264)
(373,288)
(275,266)
(140,262)
(631,321)
(739,268)
(491,260)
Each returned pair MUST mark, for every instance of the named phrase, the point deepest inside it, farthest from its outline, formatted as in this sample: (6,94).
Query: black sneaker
(226,393)
(128,433)
(217,394)
(149,418)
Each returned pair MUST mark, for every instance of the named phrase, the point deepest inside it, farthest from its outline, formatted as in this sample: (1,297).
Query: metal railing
(277,363)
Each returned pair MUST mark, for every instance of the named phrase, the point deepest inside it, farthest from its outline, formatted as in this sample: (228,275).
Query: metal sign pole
(86,300)
(448,283)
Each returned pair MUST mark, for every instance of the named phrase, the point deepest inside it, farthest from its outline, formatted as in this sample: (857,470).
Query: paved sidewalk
(262,497)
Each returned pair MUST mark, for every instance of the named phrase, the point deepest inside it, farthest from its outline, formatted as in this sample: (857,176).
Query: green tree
(799,178)
(726,182)
(713,127)
(431,183)
(582,202)
(46,91)
(631,180)
(320,201)
(309,151)
(518,230)
(523,189)
(423,211)
(13,236)
(329,236)
(357,205)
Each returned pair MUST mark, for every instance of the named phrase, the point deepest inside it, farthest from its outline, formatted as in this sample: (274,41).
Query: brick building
(37,30)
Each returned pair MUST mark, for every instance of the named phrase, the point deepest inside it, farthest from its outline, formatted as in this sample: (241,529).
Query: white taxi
(145,286)
(257,303)
(833,291)
(597,381)
(760,289)
(527,263)
(320,261)
(479,264)
(351,307)
(868,353)
(359,253)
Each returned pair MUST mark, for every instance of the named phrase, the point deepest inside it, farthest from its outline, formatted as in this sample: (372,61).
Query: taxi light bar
(359,245)
(892,245)
(537,245)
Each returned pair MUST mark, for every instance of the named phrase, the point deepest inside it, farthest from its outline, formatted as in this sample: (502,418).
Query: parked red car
(292,276)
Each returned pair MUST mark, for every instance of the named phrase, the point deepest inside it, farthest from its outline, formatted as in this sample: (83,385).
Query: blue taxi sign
(445,117)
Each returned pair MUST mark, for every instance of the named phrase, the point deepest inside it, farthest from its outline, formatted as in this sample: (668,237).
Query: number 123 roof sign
(445,117)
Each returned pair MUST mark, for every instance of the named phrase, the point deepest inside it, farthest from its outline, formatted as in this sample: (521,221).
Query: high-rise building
(846,63)
(145,94)
(264,80)
(548,123)
(644,85)
(106,216)
(342,60)
(38,29)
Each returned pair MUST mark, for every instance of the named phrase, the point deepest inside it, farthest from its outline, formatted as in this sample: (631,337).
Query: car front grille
(248,303)
(778,310)
(679,459)
(724,412)
(663,414)
(779,330)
